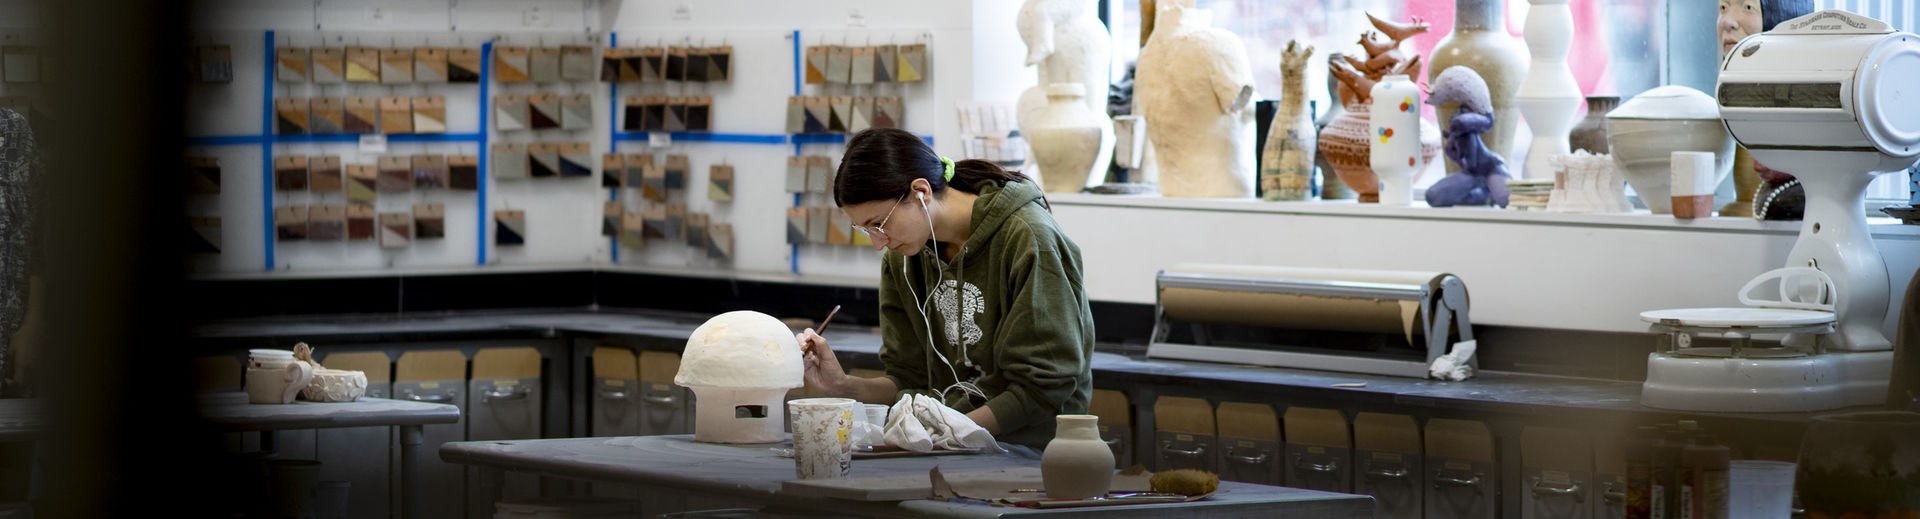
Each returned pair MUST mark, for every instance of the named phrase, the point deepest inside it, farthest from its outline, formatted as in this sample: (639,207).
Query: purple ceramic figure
(1482,178)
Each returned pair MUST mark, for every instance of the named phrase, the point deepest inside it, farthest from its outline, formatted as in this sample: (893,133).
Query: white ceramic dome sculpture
(740,366)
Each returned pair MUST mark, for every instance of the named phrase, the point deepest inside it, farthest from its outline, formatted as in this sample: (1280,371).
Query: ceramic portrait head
(1742,18)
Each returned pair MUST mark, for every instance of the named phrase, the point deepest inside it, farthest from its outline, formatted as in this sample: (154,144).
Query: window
(1616,51)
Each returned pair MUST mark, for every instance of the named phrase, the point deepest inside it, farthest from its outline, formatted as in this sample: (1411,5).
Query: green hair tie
(948,163)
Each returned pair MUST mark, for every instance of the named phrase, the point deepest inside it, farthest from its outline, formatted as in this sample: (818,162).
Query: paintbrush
(829,319)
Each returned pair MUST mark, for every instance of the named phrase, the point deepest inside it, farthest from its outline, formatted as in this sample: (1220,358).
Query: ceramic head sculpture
(1482,178)
(1195,87)
(740,366)
(1067,44)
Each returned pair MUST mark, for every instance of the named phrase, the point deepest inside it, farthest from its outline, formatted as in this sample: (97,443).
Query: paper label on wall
(1183,437)
(659,139)
(373,143)
(429,385)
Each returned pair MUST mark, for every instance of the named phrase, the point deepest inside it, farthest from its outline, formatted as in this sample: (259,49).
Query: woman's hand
(823,371)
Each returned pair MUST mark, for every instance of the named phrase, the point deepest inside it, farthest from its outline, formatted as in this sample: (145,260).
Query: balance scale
(1834,98)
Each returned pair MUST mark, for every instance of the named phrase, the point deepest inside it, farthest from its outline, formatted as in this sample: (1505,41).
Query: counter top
(1489,392)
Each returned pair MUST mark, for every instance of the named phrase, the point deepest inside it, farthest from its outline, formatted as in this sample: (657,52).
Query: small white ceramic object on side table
(1395,144)
(1549,97)
(1077,463)
(1646,130)
(336,385)
(277,385)
(822,436)
(1587,183)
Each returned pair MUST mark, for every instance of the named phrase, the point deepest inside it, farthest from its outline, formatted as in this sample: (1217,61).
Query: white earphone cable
(965,387)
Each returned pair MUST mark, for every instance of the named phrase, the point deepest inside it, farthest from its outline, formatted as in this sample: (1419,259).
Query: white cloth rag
(1456,365)
(920,423)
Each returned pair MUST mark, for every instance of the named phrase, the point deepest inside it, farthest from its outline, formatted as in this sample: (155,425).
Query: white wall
(563,215)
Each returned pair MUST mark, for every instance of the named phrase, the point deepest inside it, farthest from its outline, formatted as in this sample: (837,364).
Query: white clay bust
(1195,87)
(1067,44)
(741,350)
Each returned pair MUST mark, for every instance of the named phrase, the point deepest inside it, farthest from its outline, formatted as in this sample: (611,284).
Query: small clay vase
(1067,139)
(1591,133)
(1077,463)
(1860,465)
(1344,143)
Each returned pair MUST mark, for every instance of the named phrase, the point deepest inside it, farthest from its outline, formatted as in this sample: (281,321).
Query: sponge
(1186,482)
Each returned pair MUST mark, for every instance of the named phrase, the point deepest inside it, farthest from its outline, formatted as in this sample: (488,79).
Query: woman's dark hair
(881,162)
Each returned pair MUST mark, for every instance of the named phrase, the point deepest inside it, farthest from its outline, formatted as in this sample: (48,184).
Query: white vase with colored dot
(1394,139)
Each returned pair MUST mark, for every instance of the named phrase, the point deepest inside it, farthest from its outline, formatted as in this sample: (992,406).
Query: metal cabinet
(614,395)
(361,456)
(1116,424)
(1462,473)
(1556,474)
(665,407)
(1319,453)
(1183,434)
(439,377)
(1250,449)
(505,397)
(1387,463)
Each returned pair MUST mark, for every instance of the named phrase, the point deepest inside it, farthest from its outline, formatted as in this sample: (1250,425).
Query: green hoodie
(1012,301)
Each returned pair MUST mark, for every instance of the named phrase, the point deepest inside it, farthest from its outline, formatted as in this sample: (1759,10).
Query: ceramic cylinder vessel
(1395,126)
(823,437)
(1286,172)
(277,385)
(1549,97)
(1066,139)
(1480,41)
(1077,463)
(1860,465)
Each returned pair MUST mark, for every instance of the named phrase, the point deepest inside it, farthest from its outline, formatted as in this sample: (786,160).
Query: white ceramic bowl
(1644,148)
(1646,130)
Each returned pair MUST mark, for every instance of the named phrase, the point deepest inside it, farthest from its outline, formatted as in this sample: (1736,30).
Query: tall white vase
(1394,149)
(1549,96)
(1069,142)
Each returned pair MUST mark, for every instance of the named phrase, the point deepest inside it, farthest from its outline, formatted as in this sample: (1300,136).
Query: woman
(981,301)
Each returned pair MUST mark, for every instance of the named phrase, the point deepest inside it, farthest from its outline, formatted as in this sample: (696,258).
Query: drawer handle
(614,395)
(431,399)
(1543,490)
(503,396)
(1611,494)
(663,400)
(1250,460)
(1196,452)
(1455,481)
(1393,473)
(1324,468)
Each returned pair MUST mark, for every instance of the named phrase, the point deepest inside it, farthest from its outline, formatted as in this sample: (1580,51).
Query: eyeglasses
(878,233)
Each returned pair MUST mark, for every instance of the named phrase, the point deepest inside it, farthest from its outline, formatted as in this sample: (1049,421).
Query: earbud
(923,196)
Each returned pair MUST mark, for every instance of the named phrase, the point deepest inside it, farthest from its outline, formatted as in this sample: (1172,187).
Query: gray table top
(232,411)
(755,472)
(21,419)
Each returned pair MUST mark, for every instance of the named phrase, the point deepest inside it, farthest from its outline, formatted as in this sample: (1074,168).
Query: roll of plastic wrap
(1300,311)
